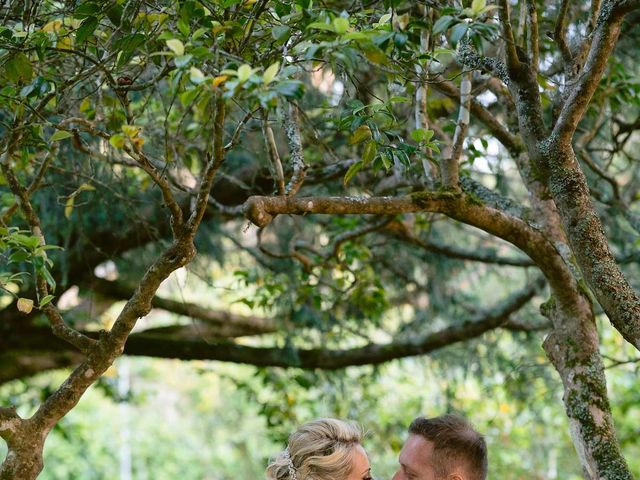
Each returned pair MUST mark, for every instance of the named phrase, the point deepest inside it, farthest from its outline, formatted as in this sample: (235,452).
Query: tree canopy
(361,181)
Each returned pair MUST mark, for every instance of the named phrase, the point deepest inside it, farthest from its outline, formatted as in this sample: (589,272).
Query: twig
(450,165)
(274,156)
(559,36)
(511,53)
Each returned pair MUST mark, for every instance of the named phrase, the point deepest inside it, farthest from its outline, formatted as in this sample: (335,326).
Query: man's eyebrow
(407,468)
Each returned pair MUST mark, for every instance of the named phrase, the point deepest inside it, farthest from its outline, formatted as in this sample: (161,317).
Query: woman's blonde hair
(318,450)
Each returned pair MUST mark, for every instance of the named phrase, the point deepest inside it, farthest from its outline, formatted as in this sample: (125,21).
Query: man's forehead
(416,451)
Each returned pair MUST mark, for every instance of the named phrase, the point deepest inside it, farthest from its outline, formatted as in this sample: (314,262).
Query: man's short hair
(455,442)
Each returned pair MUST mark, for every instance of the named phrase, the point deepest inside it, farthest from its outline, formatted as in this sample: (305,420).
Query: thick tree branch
(10,422)
(261,210)
(155,345)
(604,39)
(589,243)
(372,354)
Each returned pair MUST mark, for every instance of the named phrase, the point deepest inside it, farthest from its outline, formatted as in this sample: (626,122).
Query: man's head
(442,448)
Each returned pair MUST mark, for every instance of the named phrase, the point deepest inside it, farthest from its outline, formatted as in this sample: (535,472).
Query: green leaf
(28,241)
(86,9)
(130,131)
(196,75)
(189,96)
(270,73)
(340,25)
(60,135)
(18,68)
(353,169)
(176,46)
(362,133)
(369,153)
(48,277)
(384,19)
(182,60)
(386,161)
(244,72)
(86,29)
(356,36)
(281,33)
(68,206)
(458,32)
(443,23)
(290,88)
(375,54)
(117,140)
(322,26)
(477,6)
(422,135)
(17,257)
(198,33)
(183,27)
(45,300)
(433,146)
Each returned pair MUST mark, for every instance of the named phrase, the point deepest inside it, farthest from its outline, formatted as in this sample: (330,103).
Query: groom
(442,448)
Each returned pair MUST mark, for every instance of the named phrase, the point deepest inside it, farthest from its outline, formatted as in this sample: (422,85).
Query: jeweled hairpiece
(292,470)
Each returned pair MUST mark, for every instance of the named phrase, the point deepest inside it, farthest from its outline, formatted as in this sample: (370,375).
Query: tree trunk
(24,460)
(588,241)
(22,463)
(572,347)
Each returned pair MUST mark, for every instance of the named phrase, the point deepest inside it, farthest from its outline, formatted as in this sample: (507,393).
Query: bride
(325,449)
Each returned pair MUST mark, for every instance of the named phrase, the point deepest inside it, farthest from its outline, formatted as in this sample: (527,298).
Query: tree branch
(214,162)
(372,354)
(148,344)
(509,140)
(400,231)
(274,156)
(604,39)
(534,35)
(449,170)
(589,243)
(261,210)
(513,62)
(216,318)
(58,325)
(292,129)
(559,36)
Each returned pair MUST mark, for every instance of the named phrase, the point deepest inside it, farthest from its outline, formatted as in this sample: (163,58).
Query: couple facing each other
(440,448)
